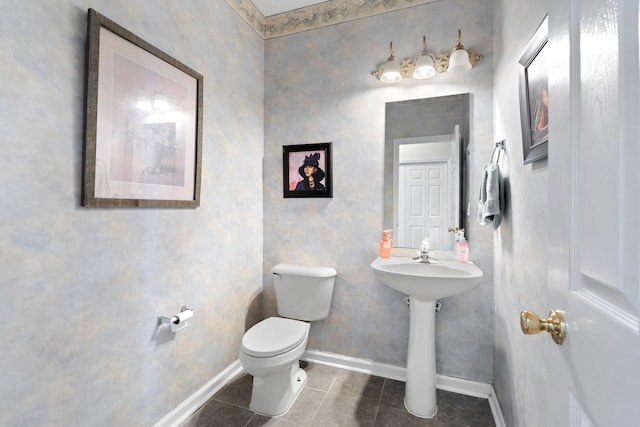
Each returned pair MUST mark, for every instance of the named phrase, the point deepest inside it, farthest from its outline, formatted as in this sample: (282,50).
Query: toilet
(271,349)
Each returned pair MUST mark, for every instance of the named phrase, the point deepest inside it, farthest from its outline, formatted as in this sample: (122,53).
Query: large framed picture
(534,96)
(143,123)
(306,170)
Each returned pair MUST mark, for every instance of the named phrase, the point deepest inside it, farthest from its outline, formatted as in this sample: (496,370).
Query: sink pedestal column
(420,390)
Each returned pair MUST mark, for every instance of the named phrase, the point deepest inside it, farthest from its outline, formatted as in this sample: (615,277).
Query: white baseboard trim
(462,386)
(443,382)
(188,407)
(354,364)
(496,410)
(457,385)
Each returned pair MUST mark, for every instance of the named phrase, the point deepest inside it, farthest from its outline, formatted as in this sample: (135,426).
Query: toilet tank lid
(304,270)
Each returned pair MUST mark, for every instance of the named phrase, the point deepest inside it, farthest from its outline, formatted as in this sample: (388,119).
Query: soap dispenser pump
(425,248)
(462,246)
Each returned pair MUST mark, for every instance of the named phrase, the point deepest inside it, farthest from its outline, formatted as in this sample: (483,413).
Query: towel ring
(498,149)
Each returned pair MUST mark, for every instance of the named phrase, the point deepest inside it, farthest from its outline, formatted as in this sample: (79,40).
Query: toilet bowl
(271,349)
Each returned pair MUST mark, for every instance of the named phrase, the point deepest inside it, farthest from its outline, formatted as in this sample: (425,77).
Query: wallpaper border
(315,16)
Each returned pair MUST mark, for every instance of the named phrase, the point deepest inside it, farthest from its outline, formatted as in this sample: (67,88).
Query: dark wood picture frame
(534,96)
(295,182)
(143,123)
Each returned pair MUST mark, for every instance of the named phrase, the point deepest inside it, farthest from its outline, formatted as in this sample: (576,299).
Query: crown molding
(315,16)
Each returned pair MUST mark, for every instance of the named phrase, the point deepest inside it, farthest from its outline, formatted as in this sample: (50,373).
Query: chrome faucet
(425,250)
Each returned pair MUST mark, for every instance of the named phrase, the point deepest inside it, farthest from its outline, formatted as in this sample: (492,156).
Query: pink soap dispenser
(462,247)
(385,244)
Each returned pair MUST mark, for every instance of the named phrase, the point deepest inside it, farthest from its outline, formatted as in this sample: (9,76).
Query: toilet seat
(273,336)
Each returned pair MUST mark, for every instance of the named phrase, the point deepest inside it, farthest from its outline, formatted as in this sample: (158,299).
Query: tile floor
(335,397)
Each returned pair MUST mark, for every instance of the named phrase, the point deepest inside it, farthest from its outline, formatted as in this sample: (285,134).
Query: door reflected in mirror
(424,187)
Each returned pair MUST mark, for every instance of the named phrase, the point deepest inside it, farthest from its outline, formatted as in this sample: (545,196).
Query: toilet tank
(303,292)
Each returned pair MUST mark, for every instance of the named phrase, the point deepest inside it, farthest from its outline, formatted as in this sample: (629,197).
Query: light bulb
(391,73)
(424,68)
(459,61)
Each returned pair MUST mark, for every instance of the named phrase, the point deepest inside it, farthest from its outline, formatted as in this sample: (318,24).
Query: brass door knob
(531,323)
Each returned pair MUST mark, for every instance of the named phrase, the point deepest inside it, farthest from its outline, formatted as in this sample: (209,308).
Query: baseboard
(496,410)
(457,385)
(462,386)
(187,408)
(443,382)
(354,364)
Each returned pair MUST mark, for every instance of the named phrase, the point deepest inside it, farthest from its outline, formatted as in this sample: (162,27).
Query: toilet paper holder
(173,319)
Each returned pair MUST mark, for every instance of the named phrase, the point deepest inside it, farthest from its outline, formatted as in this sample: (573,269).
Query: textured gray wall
(521,245)
(80,289)
(319,88)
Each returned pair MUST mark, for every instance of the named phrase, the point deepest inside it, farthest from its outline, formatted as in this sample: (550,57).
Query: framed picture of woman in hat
(306,170)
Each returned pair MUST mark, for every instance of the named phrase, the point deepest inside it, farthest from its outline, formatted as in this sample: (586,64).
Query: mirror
(426,144)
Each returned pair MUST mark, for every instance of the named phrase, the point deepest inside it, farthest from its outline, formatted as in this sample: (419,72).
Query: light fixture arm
(392,57)
(459,41)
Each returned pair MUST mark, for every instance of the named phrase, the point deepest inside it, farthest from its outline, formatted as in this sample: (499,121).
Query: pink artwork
(307,170)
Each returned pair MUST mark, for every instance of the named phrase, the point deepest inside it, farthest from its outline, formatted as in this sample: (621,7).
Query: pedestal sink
(424,283)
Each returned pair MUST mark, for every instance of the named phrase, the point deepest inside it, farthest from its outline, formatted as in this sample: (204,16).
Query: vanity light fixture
(426,65)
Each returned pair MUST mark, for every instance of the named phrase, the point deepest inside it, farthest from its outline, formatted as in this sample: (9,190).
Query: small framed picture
(306,170)
(534,96)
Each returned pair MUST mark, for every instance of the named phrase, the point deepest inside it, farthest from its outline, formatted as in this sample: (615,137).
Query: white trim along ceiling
(293,16)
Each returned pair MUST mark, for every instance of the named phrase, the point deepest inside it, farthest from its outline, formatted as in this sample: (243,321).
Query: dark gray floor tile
(305,406)
(259,421)
(334,397)
(319,377)
(393,394)
(454,410)
(219,414)
(338,410)
(237,392)
(392,417)
(464,410)
(355,385)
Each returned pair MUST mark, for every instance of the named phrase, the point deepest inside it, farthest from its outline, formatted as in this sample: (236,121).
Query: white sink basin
(427,282)
(424,283)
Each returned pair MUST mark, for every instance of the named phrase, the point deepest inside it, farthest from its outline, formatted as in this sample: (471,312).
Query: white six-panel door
(594,214)
(423,199)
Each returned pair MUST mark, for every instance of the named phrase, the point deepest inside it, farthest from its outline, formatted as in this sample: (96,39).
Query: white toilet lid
(273,336)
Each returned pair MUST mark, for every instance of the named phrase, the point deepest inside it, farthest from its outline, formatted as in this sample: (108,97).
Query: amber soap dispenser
(385,244)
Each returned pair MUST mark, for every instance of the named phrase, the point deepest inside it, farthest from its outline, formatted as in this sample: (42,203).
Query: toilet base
(274,394)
